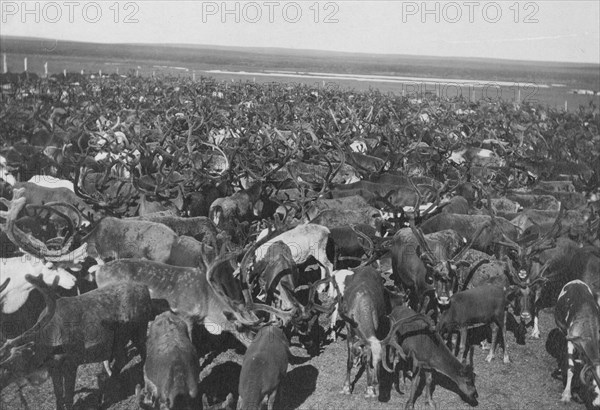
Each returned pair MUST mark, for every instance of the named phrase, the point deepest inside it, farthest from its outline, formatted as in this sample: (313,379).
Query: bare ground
(315,383)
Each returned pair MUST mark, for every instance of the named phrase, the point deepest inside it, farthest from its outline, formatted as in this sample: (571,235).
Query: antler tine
(82,194)
(70,225)
(509,242)
(225,258)
(416,210)
(285,315)
(513,277)
(222,153)
(540,274)
(71,207)
(421,239)
(554,230)
(371,250)
(250,253)
(436,201)
(291,293)
(20,238)
(311,296)
(396,210)
(390,338)
(283,162)
(392,343)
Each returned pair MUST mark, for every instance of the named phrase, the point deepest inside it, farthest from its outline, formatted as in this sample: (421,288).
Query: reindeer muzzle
(444,300)
(525,317)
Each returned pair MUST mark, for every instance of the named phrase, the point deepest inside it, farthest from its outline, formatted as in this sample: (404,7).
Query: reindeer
(577,315)
(89,328)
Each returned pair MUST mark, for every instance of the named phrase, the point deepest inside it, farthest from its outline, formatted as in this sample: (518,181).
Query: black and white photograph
(311,204)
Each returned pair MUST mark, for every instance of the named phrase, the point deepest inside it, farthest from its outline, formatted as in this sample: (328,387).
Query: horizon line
(300,50)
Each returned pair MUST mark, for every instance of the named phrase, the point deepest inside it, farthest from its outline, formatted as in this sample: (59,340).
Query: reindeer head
(524,254)
(442,273)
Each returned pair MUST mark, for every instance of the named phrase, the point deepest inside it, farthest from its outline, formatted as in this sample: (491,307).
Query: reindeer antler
(28,242)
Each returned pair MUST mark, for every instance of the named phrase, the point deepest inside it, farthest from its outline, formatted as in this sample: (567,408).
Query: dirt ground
(525,383)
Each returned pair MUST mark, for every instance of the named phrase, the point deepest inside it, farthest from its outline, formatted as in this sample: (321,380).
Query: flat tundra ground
(525,383)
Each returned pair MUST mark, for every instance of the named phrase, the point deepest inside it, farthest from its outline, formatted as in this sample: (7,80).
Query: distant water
(380,78)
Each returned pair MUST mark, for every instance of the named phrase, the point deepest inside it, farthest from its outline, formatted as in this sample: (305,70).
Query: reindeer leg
(332,333)
(346,388)
(139,395)
(535,332)
(397,370)
(490,355)
(375,360)
(410,404)
(429,389)
(455,341)
(139,340)
(503,333)
(566,394)
(271,399)
(119,352)
(20,385)
(56,373)
(449,343)
(370,392)
(596,402)
(471,352)
(69,377)
(463,343)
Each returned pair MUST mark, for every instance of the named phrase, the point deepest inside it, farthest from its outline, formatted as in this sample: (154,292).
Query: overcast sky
(551,30)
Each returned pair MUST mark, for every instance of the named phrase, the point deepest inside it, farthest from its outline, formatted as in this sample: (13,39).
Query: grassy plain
(544,82)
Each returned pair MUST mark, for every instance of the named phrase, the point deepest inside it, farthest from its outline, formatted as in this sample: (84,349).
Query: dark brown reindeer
(72,331)
(413,338)
(265,365)
(171,369)
(577,315)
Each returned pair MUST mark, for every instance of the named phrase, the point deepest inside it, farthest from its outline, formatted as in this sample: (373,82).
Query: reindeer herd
(122,258)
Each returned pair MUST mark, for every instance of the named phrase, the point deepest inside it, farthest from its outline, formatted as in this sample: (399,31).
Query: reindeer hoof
(370,393)
(489,359)
(506,359)
(346,390)
(565,398)
(535,335)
